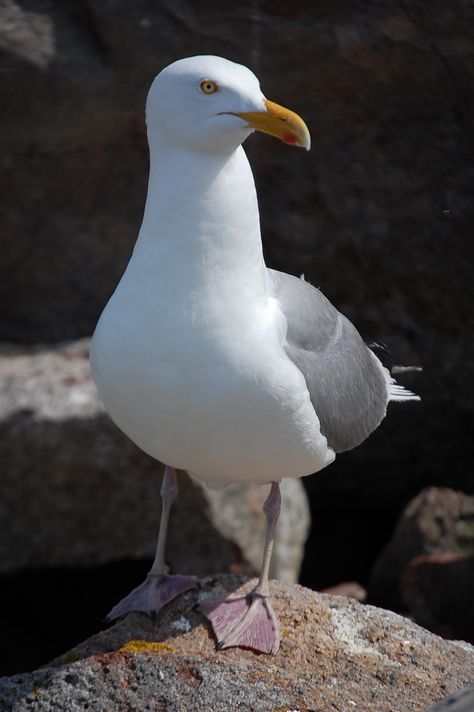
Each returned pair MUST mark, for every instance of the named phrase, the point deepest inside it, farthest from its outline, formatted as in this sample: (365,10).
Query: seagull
(207,359)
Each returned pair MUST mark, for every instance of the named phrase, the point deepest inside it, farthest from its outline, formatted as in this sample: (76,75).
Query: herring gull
(207,359)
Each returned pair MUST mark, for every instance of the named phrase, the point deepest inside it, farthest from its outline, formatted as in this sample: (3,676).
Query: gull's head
(209,104)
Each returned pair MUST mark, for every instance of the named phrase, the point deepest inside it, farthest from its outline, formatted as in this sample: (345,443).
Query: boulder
(336,654)
(438,592)
(427,567)
(77,492)
(436,521)
(80,507)
(378,85)
(351,589)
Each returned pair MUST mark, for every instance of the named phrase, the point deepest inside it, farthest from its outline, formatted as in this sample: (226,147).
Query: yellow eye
(208,86)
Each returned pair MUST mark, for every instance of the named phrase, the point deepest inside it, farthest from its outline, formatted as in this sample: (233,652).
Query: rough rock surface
(379,83)
(428,566)
(438,592)
(336,655)
(76,491)
(351,589)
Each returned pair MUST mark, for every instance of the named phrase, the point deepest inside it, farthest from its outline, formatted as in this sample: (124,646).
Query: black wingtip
(383,354)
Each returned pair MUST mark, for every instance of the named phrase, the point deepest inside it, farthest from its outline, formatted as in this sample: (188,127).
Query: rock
(379,84)
(438,592)
(428,567)
(236,512)
(351,589)
(77,492)
(437,521)
(336,654)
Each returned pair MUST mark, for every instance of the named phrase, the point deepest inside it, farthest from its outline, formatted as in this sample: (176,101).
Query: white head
(209,104)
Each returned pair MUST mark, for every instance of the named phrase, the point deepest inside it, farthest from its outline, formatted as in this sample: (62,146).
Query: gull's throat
(201,225)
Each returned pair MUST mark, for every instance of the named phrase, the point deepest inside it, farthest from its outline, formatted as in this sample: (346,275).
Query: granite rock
(75,491)
(436,521)
(438,592)
(351,589)
(336,655)
(427,567)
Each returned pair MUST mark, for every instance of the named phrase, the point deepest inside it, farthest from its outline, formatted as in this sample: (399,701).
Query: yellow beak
(280,122)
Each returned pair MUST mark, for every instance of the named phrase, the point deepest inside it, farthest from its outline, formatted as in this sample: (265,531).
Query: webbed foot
(244,621)
(154,593)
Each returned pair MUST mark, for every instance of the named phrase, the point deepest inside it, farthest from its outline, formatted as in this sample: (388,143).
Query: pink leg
(159,586)
(249,621)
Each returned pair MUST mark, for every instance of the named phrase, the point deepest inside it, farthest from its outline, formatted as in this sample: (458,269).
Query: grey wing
(347,385)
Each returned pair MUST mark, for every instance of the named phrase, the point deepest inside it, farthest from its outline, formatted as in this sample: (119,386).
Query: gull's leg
(249,621)
(159,586)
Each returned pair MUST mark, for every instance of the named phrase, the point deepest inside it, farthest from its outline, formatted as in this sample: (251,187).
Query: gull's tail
(396,392)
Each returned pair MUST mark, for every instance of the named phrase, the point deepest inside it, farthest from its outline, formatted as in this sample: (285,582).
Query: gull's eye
(208,86)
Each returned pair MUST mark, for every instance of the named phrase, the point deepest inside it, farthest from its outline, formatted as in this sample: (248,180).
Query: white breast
(225,406)
(188,355)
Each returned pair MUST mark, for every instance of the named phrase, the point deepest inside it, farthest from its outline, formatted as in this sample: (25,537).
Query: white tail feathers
(396,392)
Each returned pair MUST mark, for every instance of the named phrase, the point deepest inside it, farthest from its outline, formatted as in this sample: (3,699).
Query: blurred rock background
(379,215)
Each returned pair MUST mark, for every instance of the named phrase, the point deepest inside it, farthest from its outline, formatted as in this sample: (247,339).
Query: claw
(154,593)
(244,621)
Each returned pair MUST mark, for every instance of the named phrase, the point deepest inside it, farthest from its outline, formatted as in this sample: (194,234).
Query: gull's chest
(177,357)
(207,389)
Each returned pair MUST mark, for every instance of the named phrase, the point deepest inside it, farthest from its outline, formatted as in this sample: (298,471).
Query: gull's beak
(280,122)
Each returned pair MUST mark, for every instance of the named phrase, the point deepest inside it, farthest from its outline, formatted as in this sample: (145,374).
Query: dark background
(378,214)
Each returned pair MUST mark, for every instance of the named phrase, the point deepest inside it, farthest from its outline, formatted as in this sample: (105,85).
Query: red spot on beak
(289,138)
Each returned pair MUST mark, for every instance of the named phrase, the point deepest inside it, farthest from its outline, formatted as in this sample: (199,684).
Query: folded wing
(348,385)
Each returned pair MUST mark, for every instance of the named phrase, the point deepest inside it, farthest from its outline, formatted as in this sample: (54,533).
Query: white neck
(201,231)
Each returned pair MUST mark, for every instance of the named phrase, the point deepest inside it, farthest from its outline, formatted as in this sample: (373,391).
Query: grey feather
(347,386)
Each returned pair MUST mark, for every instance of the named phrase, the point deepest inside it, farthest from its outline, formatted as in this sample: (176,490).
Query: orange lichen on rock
(145,646)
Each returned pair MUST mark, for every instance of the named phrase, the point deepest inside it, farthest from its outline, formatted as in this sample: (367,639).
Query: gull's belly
(225,408)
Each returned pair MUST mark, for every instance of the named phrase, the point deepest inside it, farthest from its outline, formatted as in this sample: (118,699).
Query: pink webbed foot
(154,593)
(245,622)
